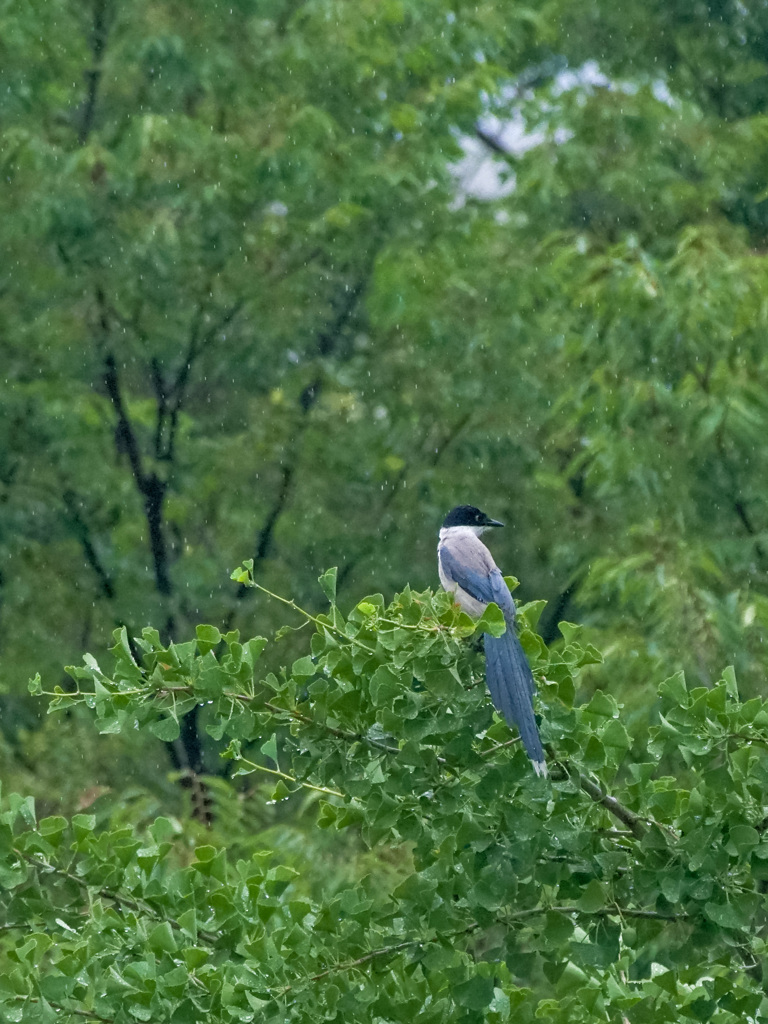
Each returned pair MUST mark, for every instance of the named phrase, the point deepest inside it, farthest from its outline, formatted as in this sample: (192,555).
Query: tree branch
(491,141)
(197,344)
(150,486)
(87,1014)
(125,436)
(264,539)
(614,911)
(448,438)
(550,629)
(739,505)
(342,734)
(345,303)
(152,490)
(98,43)
(623,814)
(519,915)
(161,395)
(83,534)
(375,954)
(187,755)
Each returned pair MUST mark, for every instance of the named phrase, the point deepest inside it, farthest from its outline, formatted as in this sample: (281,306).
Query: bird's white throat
(459,531)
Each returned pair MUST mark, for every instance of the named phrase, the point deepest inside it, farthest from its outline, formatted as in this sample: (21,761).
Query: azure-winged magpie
(467,570)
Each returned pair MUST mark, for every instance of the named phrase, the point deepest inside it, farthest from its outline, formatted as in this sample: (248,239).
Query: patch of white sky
(484,175)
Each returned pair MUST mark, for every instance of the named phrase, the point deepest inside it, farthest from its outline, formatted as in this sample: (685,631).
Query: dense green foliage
(507,897)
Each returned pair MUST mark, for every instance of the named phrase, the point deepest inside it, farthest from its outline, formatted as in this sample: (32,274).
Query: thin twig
(198,343)
(289,778)
(342,734)
(518,915)
(651,915)
(88,1014)
(373,955)
(499,746)
(311,618)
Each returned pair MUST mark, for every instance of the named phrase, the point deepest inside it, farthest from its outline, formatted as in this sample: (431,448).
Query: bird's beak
(494,522)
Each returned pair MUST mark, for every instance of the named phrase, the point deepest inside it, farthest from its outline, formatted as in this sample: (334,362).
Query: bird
(467,570)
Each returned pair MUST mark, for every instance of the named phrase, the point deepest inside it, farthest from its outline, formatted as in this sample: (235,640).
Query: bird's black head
(468,515)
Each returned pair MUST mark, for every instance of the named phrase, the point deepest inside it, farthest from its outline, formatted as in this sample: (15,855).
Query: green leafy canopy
(611,890)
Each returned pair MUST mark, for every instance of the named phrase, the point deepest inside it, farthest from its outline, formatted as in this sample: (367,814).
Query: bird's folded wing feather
(475,571)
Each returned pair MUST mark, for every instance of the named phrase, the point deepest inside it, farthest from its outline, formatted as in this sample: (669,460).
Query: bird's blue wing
(485,587)
(502,596)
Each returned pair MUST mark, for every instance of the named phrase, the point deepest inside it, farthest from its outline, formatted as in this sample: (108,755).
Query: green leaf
(571,631)
(303,668)
(593,897)
(615,736)
(725,915)
(52,826)
(166,729)
(603,705)
(667,981)
(164,829)
(208,637)
(188,923)
(243,574)
(195,956)
(729,677)
(327,816)
(674,689)
(161,939)
(280,791)
(491,621)
(530,613)
(594,754)
(742,838)
(269,748)
(83,824)
(328,583)
(384,687)
(22,808)
(475,994)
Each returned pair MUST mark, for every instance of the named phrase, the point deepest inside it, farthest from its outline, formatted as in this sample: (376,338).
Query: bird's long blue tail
(511,685)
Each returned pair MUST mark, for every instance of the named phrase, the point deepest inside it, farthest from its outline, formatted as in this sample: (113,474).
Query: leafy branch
(252,766)
(114,896)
